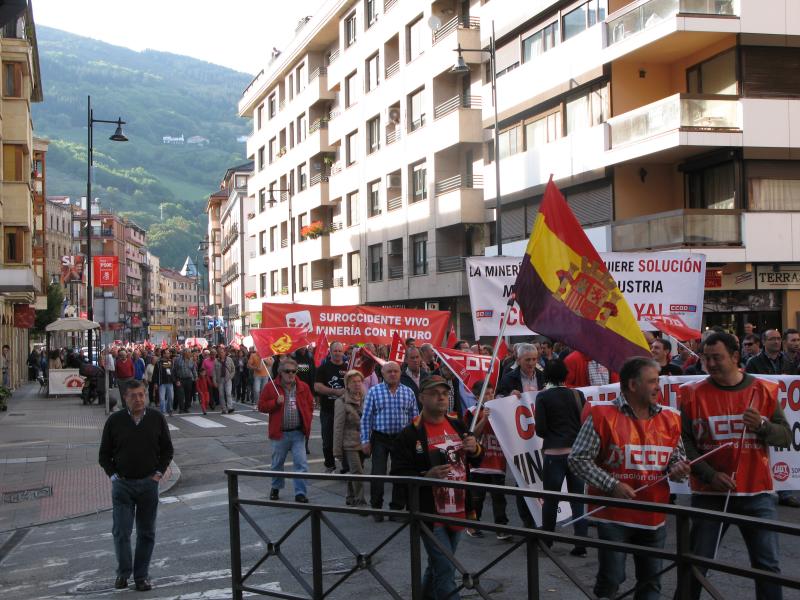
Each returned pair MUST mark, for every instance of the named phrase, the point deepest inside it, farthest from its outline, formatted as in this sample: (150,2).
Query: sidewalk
(48,460)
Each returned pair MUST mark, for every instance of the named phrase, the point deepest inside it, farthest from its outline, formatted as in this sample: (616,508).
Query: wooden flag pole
(269,376)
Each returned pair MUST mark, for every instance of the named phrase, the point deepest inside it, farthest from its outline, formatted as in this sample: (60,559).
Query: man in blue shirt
(388,408)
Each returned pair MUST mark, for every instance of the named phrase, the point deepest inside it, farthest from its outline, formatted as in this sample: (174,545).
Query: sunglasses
(291,372)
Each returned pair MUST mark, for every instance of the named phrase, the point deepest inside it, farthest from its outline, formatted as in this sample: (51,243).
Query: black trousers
(381,452)
(326,426)
(184,393)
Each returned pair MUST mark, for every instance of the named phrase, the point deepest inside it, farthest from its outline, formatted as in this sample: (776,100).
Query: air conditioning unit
(431,306)
(393,181)
(395,247)
(394,115)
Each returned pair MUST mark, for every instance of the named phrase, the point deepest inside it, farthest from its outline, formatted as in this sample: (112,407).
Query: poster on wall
(71,269)
(663,283)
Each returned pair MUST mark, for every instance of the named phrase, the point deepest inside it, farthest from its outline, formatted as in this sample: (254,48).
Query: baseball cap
(432,382)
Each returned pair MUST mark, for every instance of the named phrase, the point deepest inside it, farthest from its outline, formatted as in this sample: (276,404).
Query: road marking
(203,422)
(242,419)
(19,461)
(172,427)
(193,495)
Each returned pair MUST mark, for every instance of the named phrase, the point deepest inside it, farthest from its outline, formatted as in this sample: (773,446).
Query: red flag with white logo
(469,368)
(320,349)
(398,351)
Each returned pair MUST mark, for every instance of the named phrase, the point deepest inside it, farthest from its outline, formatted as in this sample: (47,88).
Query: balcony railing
(336,225)
(321,123)
(338,282)
(458,182)
(388,4)
(318,72)
(230,237)
(417,123)
(285,243)
(649,14)
(321,177)
(333,56)
(396,272)
(394,203)
(680,111)
(453,24)
(392,69)
(450,264)
(229,274)
(454,103)
(678,228)
(322,284)
(392,135)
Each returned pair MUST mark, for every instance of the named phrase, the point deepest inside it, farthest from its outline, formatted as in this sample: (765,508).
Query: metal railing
(321,284)
(470,569)
(417,123)
(284,243)
(455,103)
(457,182)
(392,135)
(450,264)
(321,123)
(333,56)
(229,274)
(453,24)
(394,203)
(318,72)
(388,4)
(321,177)
(678,228)
(396,272)
(338,282)
(392,69)
(336,225)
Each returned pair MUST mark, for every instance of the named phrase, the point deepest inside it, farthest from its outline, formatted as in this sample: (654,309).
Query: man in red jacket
(289,405)
(124,369)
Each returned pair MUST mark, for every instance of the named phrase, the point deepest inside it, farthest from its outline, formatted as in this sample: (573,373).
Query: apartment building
(179,294)
(39,232)
(367,185)
(214,252)
(58,235)
(668,124)
(135,257)
(20,282)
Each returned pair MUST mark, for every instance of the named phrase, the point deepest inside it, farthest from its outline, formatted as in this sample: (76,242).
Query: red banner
(397,352)
(192,310)
(278,340)
(24,316)
(469,368)
(675,326)
(106,271)
(359,324)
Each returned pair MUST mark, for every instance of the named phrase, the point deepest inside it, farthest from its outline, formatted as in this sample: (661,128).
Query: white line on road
(243,419)
(203,422)
(172,427)
(17,461)
(193,495)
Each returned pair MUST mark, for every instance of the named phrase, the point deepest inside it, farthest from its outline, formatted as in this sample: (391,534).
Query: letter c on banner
(525,429)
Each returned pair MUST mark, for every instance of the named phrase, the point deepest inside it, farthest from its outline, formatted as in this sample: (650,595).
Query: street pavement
(48,550)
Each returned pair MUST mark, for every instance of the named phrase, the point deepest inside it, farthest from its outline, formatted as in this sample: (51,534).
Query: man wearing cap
(437,446)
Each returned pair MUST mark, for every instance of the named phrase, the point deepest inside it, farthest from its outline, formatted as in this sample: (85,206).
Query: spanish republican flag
(565,292)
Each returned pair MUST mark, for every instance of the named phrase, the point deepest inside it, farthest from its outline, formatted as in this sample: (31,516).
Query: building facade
(667,125)
(368,151)
(22,188)
(214,260)
(180,299)
(134,266)
(58,236)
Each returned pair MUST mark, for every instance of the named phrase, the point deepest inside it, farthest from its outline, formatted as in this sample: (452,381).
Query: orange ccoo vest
(716,417)
(635,452)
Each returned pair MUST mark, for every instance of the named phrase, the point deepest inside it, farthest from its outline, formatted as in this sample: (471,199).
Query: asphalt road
(75,558)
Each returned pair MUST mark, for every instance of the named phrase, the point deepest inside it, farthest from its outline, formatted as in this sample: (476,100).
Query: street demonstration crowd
(416,417)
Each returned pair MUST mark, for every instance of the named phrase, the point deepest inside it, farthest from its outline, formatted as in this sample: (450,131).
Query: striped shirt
(386,412)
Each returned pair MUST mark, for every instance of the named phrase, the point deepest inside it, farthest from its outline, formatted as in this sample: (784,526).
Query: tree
(55,297)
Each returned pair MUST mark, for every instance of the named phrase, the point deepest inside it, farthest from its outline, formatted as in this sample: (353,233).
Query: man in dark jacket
(438,447)
(412,374)
(527,377)
(771,360)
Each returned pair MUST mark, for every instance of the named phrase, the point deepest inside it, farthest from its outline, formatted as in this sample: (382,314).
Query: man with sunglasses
(751,346)
(289,404)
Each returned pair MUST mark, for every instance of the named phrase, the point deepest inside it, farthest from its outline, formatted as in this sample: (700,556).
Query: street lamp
(118,136)
(291,235)
(201,247)
(461,68)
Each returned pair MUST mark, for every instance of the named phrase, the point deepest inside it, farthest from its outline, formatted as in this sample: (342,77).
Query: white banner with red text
(664,283)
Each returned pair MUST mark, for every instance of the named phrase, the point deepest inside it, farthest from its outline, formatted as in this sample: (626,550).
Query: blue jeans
(258,385)
(555,471)
(438,583)
(762,544)
(611,564)
(294,442)
(166,394)
(134,499)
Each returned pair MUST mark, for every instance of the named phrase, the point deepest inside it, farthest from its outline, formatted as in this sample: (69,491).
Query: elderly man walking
(224,370)
(388,408)
(186,375)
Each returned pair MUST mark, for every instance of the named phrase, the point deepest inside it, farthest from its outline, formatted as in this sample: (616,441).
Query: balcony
(457,120)
(678,229)
(18,279)
(450,264)
(229,274)
(309,250)
(457,182)
(647,15)
(679,112)
(454,24)
(230,237)
(394,203)
(392,69)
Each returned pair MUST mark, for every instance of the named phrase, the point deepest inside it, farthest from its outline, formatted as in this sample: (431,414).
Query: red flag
(377,359)
(164,344)
(502,352)
(398,351)
(451,337)
(469,368)
(673,325)
(321,349)
(362,362)
(278,340)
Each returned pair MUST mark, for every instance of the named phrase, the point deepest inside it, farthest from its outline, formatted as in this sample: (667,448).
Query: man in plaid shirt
(388,408)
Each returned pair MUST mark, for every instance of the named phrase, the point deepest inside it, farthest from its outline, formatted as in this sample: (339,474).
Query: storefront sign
(664,283)
(785,277)
(742,280)
(359,324)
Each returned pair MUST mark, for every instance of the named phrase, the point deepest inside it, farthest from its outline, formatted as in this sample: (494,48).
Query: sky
(234,33)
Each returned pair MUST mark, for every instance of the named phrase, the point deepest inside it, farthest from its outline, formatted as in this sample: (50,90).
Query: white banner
(661,283)
(64,382)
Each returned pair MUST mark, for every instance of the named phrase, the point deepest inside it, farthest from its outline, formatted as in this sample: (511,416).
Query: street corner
(170,478)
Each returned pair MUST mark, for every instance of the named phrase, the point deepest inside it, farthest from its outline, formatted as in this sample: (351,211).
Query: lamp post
(201,247)
(118,136)
(291,235)
(461,68)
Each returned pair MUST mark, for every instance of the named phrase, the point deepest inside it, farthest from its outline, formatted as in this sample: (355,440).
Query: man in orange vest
(623,445)
(731,406)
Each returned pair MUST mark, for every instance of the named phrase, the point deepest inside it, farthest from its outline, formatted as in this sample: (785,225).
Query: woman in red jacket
(289,403)
(203,386)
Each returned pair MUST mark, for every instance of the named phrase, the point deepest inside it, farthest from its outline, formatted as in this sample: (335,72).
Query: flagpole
(644,487)
(269,376)
(453,371)
(503,323)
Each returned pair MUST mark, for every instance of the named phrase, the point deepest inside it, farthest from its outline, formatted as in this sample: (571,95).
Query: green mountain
(158,94)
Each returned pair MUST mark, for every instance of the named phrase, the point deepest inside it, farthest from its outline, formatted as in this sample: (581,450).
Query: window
(370,12)
(354,261)
(290,85)
(302,80)
(262,200)
(374,135)
(587,110)
(12,79)
(717,75)
(352,209)
(259,116)
(13,160)
(302,179)
(419,187)
(713,187)
(302,278)
(275,283)
(510,141)
(302,128)
(14,251)
(262,242)
(419,253)
(540,42)
(374,197)
(350,30)
(273,143)
(575,21)
(416,114)
(301,222)
(543,130)
(262,284)
(351,148)
(414,38)
(273,237)
(350,90)
(372,65)
(261,158)
(376,263)
(272,105)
